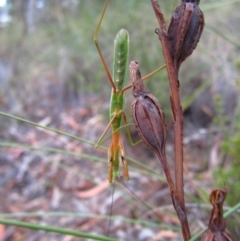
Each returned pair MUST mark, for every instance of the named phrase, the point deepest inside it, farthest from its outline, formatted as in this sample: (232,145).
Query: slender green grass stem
(55,230)
(48,128)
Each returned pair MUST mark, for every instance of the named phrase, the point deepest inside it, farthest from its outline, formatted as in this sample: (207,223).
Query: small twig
(177,115)
(159,14)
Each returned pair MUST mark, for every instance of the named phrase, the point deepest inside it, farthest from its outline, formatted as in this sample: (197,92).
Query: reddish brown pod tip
(217,226)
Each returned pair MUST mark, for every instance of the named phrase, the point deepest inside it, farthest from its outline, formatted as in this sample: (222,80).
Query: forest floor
(41,183)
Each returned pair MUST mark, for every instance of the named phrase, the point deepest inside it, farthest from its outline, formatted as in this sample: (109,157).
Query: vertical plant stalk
(176,110)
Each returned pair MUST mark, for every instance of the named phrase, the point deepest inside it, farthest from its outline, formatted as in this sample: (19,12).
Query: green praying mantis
(116,113)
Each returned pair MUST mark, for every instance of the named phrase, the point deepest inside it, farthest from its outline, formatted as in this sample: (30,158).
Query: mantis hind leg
(106,129)
(144,78)
(153,72)
(99,50)
(110,164)
(124,162)
(113,167)
(128,130)
(121,112)
(113,161)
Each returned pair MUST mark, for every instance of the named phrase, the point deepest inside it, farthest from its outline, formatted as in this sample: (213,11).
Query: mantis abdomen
(120,64)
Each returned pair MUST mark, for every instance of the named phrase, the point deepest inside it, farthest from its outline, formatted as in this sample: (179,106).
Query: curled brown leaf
(217,226)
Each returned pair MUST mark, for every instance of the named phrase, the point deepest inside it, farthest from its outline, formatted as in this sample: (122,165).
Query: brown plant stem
(177,114)
(149,121)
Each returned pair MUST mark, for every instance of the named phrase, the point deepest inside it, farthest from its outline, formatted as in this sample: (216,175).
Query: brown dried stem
(177,113)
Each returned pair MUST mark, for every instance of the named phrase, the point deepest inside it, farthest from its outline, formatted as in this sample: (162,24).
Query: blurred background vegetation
(49,65)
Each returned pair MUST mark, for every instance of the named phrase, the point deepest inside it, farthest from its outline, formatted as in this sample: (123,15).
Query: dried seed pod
(147,113)
(217,226)
(149,119)
(184,31)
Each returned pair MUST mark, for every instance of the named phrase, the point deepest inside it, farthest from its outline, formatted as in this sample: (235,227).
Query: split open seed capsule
(147,113)
(184,31)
